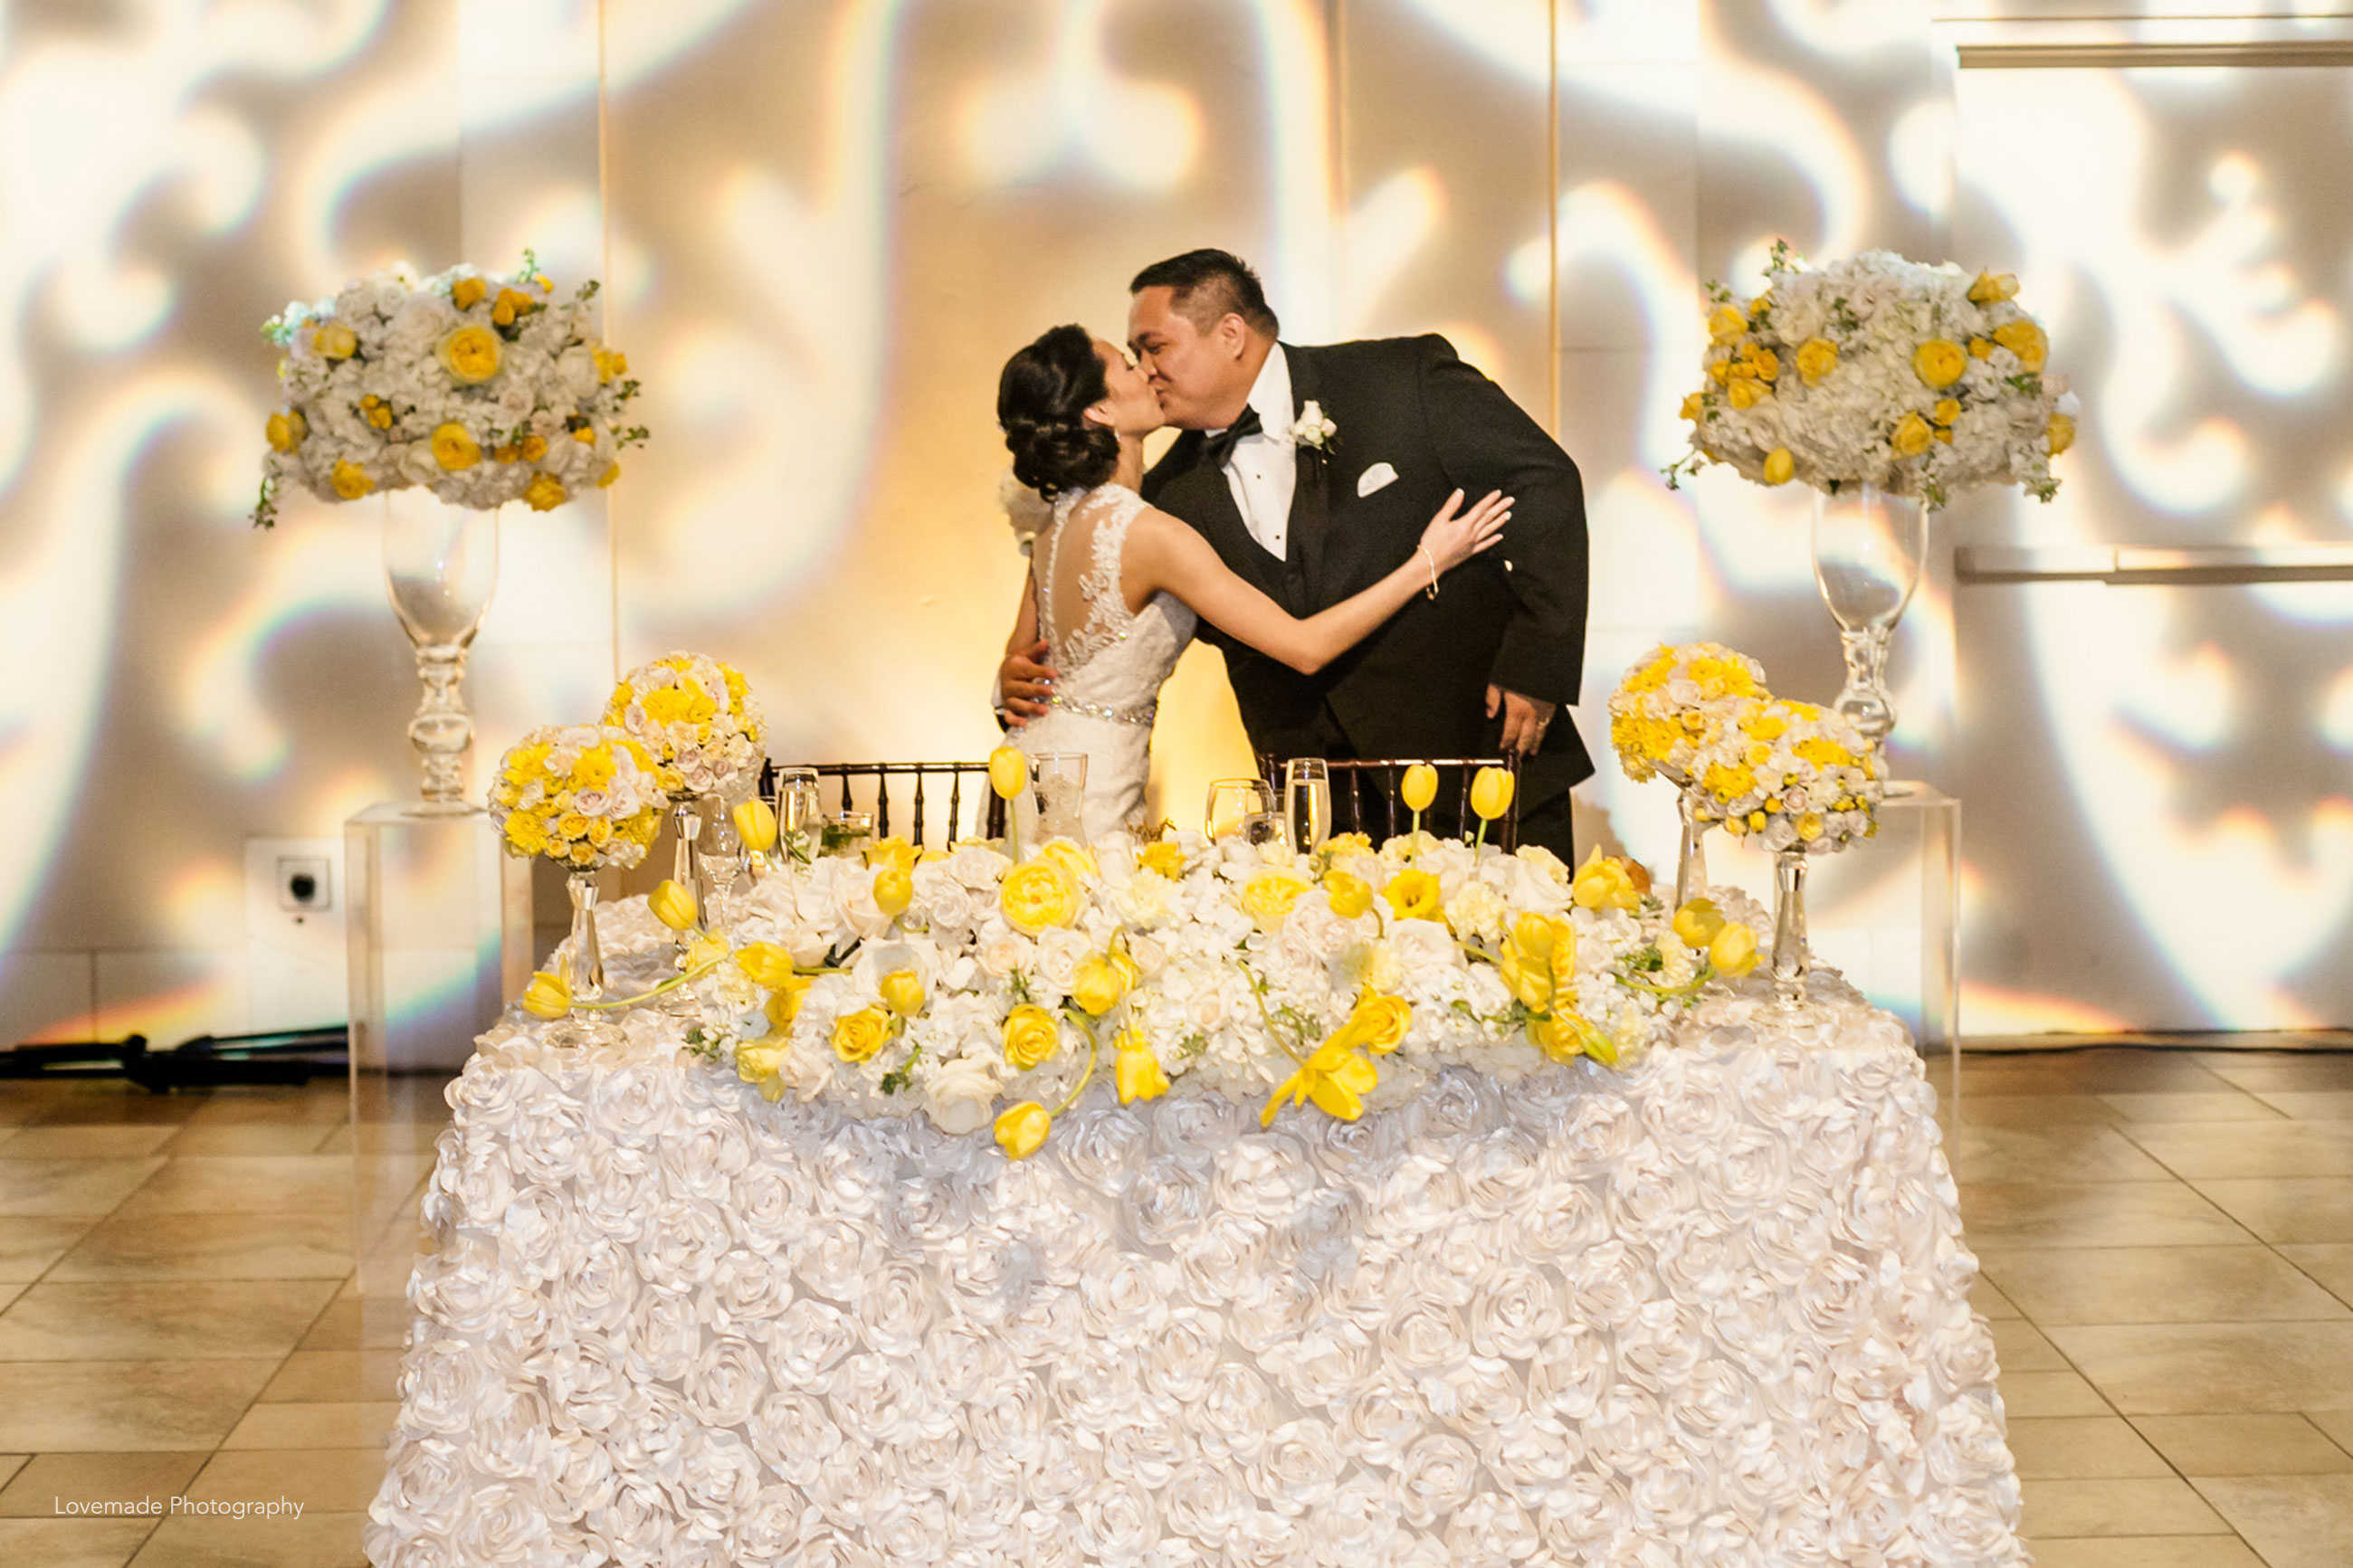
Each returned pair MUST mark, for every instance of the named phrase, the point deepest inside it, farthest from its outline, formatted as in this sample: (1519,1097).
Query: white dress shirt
(1264,467)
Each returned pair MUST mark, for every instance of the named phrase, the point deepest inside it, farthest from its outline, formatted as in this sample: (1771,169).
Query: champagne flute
(800,814)
(1307,801)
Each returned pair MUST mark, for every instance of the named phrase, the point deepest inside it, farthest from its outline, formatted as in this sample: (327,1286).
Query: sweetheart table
(1711,1310)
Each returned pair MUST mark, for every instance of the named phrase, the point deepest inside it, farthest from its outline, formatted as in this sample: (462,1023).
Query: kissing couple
(1389,552)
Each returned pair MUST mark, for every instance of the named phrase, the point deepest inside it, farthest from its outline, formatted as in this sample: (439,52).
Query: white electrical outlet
(296,971)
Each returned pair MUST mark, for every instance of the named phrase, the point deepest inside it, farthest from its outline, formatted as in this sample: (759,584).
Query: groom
(1481,668)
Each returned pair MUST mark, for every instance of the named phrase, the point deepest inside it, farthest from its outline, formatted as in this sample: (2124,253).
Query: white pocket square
(1373,478)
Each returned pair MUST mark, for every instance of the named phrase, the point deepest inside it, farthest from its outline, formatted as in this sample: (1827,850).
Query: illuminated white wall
(825,223)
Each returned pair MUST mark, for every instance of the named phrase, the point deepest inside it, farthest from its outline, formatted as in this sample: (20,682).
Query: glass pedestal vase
(1868,550)
(584,972)
(1790,958)
(440,564)
(1690,855)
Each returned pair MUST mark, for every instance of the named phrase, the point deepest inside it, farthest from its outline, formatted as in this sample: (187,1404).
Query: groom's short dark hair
(1208,284)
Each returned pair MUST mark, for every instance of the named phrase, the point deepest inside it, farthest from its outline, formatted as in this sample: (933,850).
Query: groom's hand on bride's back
(1025,682)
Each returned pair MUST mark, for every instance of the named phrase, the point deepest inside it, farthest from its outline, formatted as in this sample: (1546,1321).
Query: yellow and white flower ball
(582,795)
(695,716)
(1672,701)
(1791,774)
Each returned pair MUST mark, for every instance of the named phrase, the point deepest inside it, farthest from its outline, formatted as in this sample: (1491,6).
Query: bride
(1117,586)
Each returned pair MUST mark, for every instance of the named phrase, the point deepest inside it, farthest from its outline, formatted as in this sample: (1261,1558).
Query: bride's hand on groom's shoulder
(1025,684)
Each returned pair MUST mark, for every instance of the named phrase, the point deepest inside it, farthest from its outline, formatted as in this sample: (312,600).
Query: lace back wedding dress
(1109,662)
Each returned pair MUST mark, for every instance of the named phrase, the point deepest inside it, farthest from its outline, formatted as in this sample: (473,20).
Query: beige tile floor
(2167,1239)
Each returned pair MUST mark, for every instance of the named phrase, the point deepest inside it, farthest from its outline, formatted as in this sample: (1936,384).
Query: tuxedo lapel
(1311,489)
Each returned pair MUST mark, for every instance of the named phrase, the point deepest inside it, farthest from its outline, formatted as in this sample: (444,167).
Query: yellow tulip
(903,993)
(1939,363)
(894,890)
(286,430)
(351,480)
(764,964)
(1604,883)
(756,1061)
(1732,950)
(470,354)
(858,1036)
(1698,922)
(1097,984)
(548,996)
(1350,894)
(1911,437)
(1008,771)
(546,493)
(1414,896)
(1031,1036)
(1137,1073)
(1021,1130)
(893,852)
(1779,466)
(335,341)
(1491,793)
(756,825)
(672,905)
(1536,935)
(1527,977)
(2062,433)
(453,449)
(612,472)
(1420,788)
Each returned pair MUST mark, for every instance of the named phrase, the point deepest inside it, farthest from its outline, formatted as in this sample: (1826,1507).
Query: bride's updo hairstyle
(1040,401)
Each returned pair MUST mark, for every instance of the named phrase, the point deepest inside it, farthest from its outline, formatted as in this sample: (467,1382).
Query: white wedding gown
(1109,664)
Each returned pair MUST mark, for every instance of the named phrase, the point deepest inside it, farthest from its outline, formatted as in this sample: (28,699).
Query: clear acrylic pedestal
(439,937)
(1885,913)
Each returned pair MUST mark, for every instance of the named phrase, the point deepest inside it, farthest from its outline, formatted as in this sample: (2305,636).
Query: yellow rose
(1414,896)
(1031,1036)
(1817,357)
(903,993)
(546,494)
(584,434)
(609,364)
(286,430)
(1008,771)
(470,354)
(1418,787)
(1038,895)
(2025,339)
(531,449)
(468,292)
(1911,437)
(893,852)
(1698,922)
(2062,433)
(1732,950)
(858,1036)
(1694,405)
(1491,793)
(1097,984)
(1948,409)
(1747,393)
(756,825)
(1981,348)
(1137,1073)
(1164,857)
(1556,1037)
(1350,894)
(1726,324)
(335,341)
(453,449)
(1268,898)
(764,964)
(1021,1130)
(894,890)
(612,472)
(548,996)
(509,304)
(1379,1023)
(672,905)
(1991,288)
(1939,363)
(1779,466)
(351,480)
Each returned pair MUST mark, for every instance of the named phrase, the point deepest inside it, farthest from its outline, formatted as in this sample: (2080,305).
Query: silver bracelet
(1424,552)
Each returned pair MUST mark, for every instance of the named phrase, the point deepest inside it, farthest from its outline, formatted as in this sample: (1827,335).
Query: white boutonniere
(1313,430)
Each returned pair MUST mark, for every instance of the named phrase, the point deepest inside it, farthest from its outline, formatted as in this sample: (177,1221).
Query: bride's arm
(1162,555)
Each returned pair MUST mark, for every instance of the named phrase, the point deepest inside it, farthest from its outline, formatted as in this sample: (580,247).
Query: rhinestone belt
(1143,715)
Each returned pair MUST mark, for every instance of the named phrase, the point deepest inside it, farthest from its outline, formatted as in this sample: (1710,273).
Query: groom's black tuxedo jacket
(1513,616)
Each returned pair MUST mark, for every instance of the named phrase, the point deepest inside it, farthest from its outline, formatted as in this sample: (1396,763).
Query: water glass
(1244,809)
(1054,806)
(1307,801)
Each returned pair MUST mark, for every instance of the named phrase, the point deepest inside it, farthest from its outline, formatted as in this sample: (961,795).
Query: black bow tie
(1216,448)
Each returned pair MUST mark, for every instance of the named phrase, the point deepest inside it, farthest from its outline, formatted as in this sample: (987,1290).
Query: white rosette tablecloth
(1710,1311)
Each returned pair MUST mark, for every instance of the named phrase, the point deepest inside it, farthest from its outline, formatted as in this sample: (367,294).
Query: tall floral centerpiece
(695,718)
(469,389)
(585,796)
(1887,387)
(1671,707)
(1804,781)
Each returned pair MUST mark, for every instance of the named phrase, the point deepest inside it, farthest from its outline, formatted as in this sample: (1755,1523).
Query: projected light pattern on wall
(825,224)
